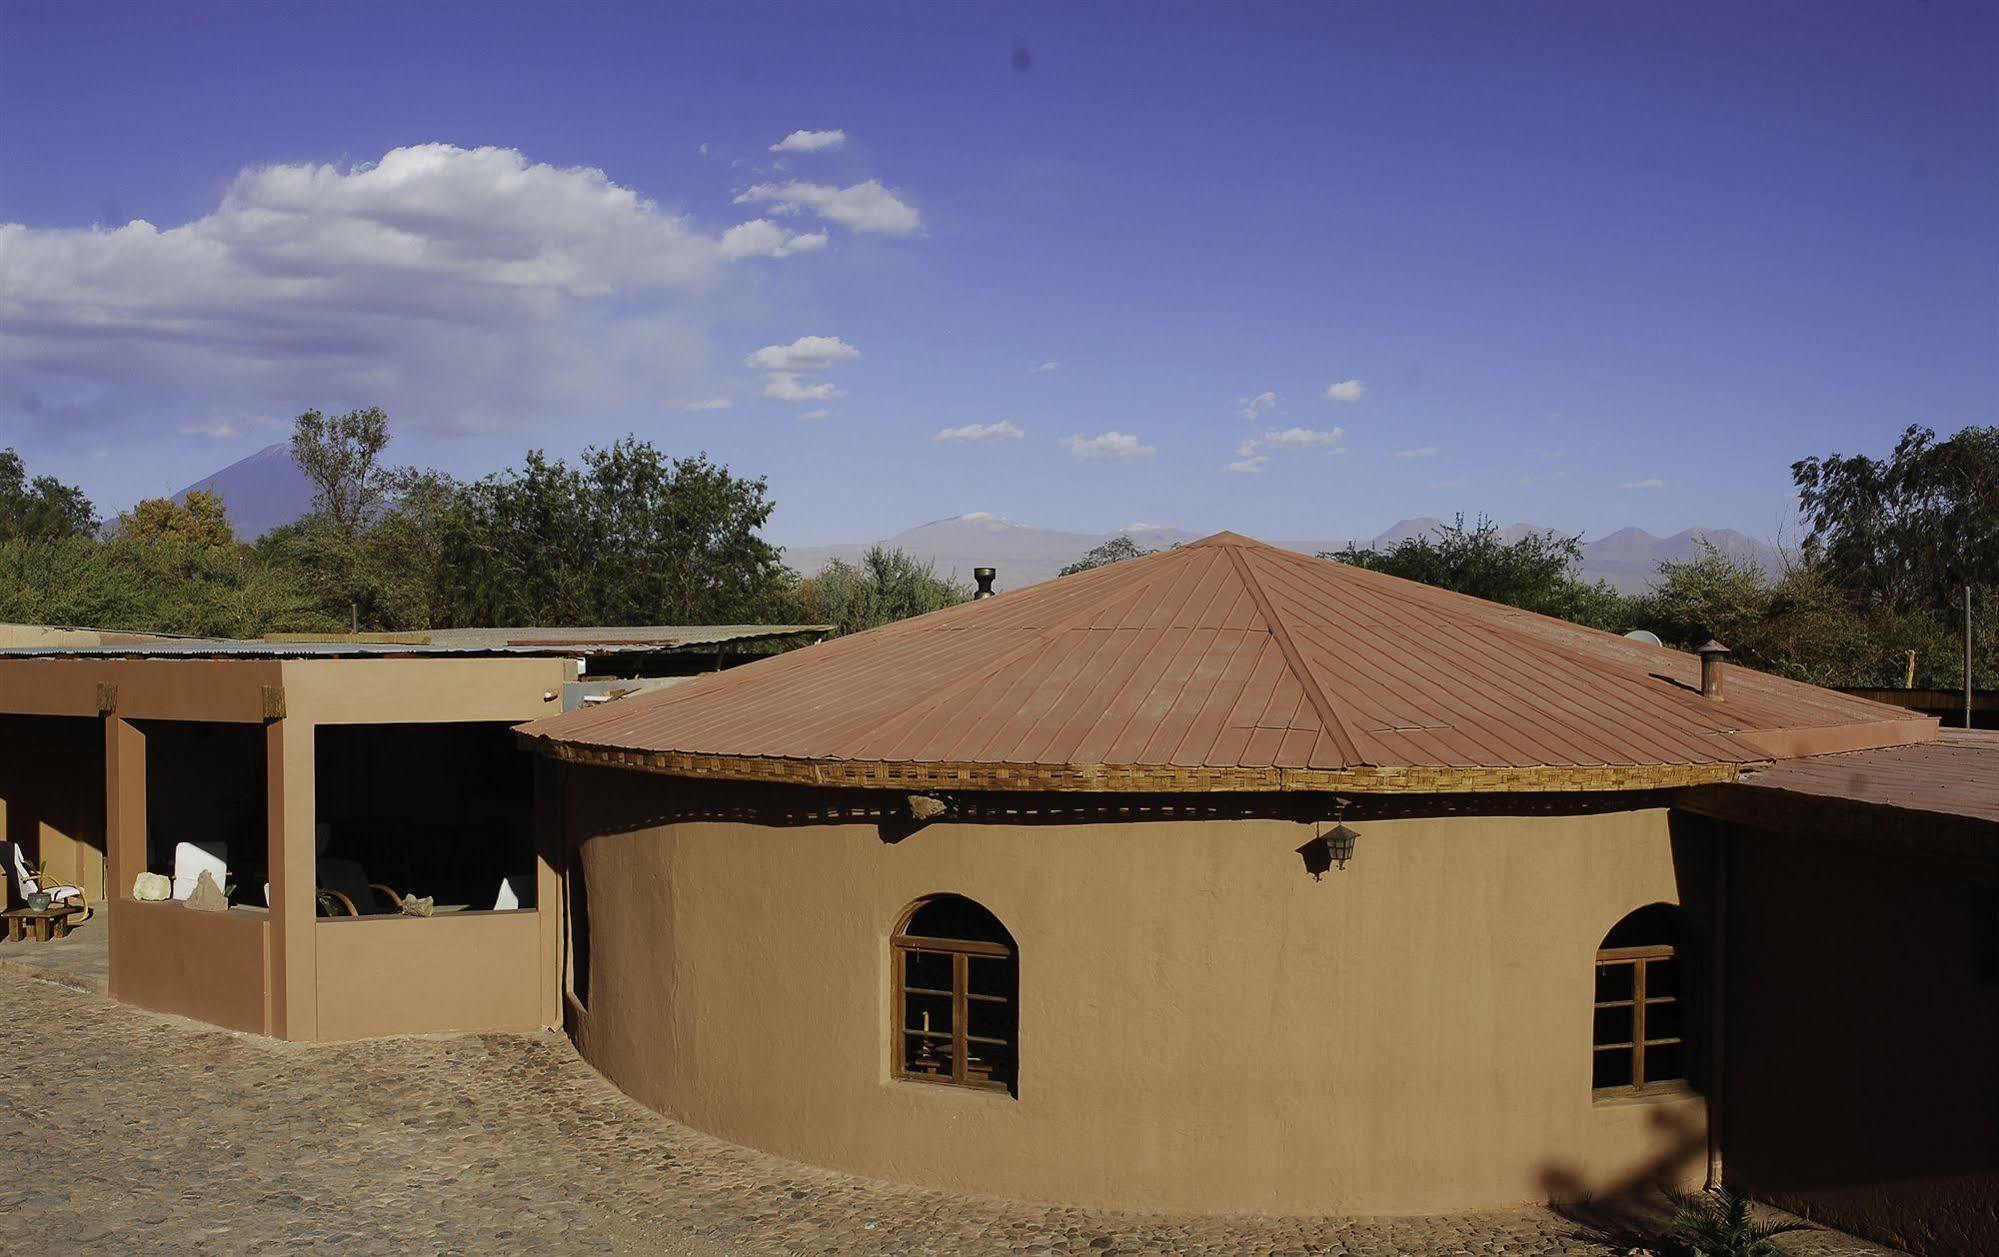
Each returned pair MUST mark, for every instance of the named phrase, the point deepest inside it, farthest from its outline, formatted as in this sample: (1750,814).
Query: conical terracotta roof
(1226,664)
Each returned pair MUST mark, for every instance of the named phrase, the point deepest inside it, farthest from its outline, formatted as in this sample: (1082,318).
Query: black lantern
(1339,844)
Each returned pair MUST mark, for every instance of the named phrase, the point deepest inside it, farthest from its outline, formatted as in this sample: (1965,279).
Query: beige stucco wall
(406,975)
(1203,1026)
(205,965)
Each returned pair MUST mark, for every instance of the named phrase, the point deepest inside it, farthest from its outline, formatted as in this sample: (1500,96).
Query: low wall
(206,965)
(425,975)
(1202,1026)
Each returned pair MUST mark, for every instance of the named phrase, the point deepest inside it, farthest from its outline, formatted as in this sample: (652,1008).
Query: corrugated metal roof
(656,639)
(1234,656)
(1956,775)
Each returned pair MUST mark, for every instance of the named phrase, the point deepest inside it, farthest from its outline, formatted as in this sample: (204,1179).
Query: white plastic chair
(192,859)
(29,884)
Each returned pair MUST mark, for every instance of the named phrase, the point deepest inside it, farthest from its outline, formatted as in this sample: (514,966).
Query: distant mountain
(1026,555)
(260,492)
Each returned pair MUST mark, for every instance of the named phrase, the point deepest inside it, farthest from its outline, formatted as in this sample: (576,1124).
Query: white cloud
(1643,484)
(713,403)
(467,289)
(217,429)
(1252,455)
(1304,438)
(1108,447)
(809,141)
(821,413)
(807,353)
(1004,430)
(1346,391)
(760,237)
(1046,366)
(785,387)
(1427,451)
(1254,406)
(866,207)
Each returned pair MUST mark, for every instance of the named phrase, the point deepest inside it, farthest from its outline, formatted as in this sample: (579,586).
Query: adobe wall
(1203,1027)
(1862,1020)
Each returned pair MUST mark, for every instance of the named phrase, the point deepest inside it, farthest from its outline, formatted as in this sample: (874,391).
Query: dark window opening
(957,993)
(1638,1042)
(206,807)
(443,812)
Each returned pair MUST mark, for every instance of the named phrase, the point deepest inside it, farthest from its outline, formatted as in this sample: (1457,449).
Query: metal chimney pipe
(1711,655)
(984,576)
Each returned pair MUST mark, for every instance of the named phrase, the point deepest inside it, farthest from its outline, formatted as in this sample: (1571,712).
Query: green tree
(630,537)
(1116,550)
(1538,572)
(1911,530)
(341,456)
(201,520)
(44,509)
(884,585)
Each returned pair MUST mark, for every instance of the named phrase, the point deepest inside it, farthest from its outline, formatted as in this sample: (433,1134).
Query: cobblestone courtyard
(136,1133)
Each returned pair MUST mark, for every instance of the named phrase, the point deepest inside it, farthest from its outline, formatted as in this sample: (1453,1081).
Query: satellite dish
(1644,635)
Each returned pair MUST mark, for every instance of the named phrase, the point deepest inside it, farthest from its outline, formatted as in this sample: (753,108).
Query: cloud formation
(809,141)
(712,403)
(1346,391)
(1643,484)
(1254,406)
(1252,465)
(468,289)
(1108,447)
(807,353)
(783,364)
(1046,367)
(1254,454)
(863,207)
(1426,451)
(1004,430)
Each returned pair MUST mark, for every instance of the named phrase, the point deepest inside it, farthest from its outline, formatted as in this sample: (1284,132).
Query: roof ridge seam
(1329,717)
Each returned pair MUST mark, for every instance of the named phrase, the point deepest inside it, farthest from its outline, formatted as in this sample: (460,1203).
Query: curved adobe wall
(1203,1027)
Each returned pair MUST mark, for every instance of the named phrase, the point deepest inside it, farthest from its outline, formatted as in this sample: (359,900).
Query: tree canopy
(884,585)
(42,509)
(1116,550)
(1536,572)
(341,456)
(1911,530)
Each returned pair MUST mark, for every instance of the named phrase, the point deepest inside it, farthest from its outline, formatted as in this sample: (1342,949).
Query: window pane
(1613,1025)
(1662,1021)
(989,975)
(1664,1064)
(1613,981)
(1613,1068)
(1662,977)
(930,1013)
(927,969)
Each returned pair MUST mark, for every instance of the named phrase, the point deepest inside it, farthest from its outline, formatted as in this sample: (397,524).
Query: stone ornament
(419,905)
(153,887)
(207,896)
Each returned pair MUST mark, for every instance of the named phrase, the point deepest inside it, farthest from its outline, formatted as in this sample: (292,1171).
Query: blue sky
(1580,264)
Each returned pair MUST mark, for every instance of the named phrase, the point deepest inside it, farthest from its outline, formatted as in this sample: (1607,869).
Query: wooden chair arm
(394,898)
(326,893)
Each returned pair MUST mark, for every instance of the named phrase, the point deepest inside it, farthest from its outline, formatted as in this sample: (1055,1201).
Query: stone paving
(134,1133)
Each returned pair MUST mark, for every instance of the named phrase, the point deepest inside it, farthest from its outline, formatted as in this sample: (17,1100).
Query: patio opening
(52,803)
(425,812)
(205,807)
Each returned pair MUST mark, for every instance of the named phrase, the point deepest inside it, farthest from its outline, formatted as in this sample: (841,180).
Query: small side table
(46,923)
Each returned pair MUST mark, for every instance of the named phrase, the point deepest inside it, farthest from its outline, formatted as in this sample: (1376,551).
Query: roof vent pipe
(983,575)
(1711,657)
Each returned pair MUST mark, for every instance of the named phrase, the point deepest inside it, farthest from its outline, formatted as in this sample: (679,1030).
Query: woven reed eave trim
(1142,778)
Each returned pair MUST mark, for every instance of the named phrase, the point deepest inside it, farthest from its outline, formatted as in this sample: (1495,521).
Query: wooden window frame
(961,953)
(1640,961)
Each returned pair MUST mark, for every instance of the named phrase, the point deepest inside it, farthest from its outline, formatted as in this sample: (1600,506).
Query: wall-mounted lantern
(1332,848)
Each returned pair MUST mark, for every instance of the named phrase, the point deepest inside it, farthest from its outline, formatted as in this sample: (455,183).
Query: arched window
(1638,1043)
(957,980)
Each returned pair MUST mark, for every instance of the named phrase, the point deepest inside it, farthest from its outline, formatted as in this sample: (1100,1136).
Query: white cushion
(192,859)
